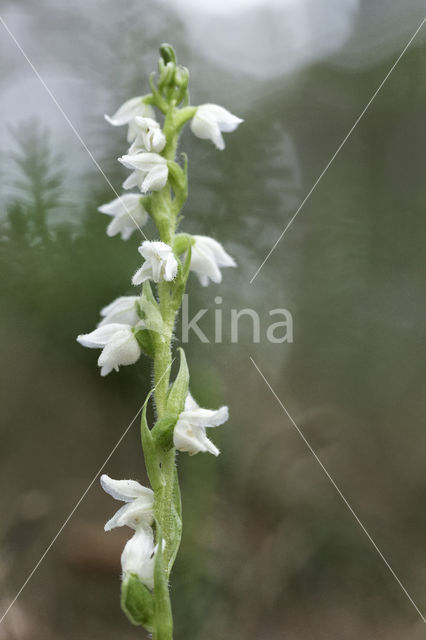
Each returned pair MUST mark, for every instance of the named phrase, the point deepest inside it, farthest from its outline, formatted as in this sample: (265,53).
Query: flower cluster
(138,514)
(133,325)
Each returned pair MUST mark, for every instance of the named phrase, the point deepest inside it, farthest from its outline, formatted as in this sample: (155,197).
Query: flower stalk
(132,325)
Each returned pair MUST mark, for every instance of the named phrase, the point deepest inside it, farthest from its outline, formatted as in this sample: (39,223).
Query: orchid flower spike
(118,343)
(122,310)
(149,136)
(128,214)
(150,171)
(210,120)
(207,256)
(160,263)
(190,430)
(138,512)
(138,556)
(128,112)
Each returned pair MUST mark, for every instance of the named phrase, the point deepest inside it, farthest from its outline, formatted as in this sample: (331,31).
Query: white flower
(122,311)
(128,112)
(160,263)
(118,343)
(150,171)
(210,120)
(138,556)
(207,256)
(190,430)
(149,136)
(127,214)
(138,512)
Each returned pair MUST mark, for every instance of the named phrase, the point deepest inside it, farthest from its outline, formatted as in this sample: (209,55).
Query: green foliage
(163,623)
(162,432)
(179,389)
(39,185)
(137,602)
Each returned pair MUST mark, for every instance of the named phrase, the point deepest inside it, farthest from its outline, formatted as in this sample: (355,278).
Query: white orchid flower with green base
(160,263)
(118,343)
(150,171)
(127,113)
(139,508)
(122,310)
(190,430)
(207,256)
(131,324)
(210,120)
(128,215)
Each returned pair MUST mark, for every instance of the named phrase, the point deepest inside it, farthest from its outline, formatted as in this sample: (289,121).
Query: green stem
(165,215)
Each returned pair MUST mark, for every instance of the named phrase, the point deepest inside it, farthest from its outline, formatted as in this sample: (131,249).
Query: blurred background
(269,549)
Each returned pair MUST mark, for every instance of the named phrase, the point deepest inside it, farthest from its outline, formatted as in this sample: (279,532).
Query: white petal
(142,161)
(128,201)
(206,258)
(122,349)
(142,274)
(135,514)
(156,179)
(119,225)
(204,280)
(153,248)
(106,369)
(122,310)
(190,403)
(189,433)
(160,262)
(100,336)
(129,110)
(144,124)
(210,119)
(206,417)
(138,556)
(204,264)
(149,136)
(225,119)
(119,304)
(170,268)
(133,180)
(128,215)
(125,490)
(223,259)
(205,127)
(158,141)
(192,439)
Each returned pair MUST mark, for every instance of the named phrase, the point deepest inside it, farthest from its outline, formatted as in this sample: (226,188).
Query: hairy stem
(165,215)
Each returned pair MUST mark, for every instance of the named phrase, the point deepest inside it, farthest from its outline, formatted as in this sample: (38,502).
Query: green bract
(137,602)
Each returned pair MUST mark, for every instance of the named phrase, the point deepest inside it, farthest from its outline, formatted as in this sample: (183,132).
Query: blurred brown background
(269,549)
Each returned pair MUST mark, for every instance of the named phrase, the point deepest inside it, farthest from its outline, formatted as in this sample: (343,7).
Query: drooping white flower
(118,343)
(149,136)
(207,255)
(160,263)
(190,431)
(138,512)
(138,556)
(210,120)
(128,112)
(128,214)
(122,311)
(150,171)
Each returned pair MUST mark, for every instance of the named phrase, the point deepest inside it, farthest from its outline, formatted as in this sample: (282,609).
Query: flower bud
(167,53)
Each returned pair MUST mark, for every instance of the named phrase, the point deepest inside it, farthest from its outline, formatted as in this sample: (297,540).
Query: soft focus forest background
(269,551)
